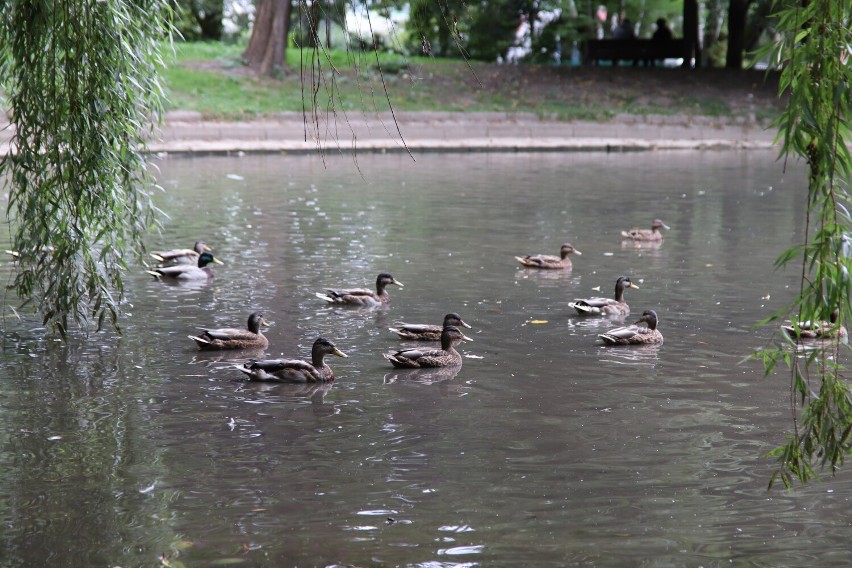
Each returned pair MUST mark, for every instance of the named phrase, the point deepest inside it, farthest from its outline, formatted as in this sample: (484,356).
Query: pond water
(544,449)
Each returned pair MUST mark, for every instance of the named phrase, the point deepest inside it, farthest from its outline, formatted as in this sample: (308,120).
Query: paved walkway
(187,133)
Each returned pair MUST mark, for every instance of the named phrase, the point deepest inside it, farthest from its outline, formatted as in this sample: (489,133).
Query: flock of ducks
(193,264)
(183,265)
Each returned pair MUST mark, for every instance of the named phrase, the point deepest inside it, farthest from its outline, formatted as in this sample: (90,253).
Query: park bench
(636,50)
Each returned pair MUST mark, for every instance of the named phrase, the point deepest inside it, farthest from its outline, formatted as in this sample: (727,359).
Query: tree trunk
(208,14)
(692,46)
(267,45)
(737,11)
(712,29)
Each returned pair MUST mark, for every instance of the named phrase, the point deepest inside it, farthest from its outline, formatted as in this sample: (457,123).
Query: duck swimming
(295,370)
(233,338)
(606,306)
(652,234)
(817,330)
(361,296)
(181,256)
(184,272)
(443,357)
(426,332)
(634,334)
(549,261)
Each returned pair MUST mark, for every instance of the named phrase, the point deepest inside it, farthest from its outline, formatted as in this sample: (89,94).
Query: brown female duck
(426,332)
(634,334)
(606,306)
(443,357)
(295,370)
(652,234)
(181,256)
(361,296)
(549,261)
(233,338)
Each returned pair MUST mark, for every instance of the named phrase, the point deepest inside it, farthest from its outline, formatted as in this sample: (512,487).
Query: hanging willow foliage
(816,54)
(81,81)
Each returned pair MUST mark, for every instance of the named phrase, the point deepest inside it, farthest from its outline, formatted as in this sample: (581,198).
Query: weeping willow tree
(81,82)
(816,55)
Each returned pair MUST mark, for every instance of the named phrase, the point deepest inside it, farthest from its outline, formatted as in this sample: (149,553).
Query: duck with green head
(420,358)
(636,334)
(427,332)
(234,338)
(295,370)
(606,306)
(181,256)
(819,329)
(186,272)
(361,296)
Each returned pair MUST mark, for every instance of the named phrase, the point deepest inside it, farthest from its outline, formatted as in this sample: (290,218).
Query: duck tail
(582,309)
(199,340)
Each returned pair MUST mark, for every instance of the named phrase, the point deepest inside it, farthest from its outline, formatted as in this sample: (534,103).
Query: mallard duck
(443,357)
(426,332)
(817,330)
(549,261)
(181,256)
(361,296)
(295,370)
(184,272)
(233,338)
(634,334)
(606,306)
(652,234)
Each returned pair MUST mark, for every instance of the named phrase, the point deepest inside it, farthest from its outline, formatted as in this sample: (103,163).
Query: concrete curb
(187,133)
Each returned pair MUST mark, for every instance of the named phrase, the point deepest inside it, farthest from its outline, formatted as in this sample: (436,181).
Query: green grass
(210,78)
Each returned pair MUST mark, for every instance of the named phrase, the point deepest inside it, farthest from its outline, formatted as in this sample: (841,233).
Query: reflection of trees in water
(80,476)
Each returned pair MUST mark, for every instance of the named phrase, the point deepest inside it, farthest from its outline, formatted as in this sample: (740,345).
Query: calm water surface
(545,449)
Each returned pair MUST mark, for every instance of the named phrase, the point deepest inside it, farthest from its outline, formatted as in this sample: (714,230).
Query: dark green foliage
(81,80)
(815,47)
(198,19)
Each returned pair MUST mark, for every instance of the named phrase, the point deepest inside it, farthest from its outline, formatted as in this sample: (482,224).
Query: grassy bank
(210,78)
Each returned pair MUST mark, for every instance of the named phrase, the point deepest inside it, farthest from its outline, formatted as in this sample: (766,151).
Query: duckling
(549,261)
(181,256)
(183,272)
(361,296)
(652,234)
(817,330)
(443,357)
(426,332)
(606,306)
(635,335)
(295,370)
(233,338)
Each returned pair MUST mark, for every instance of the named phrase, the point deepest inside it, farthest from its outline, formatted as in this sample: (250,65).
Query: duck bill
(264,323)
(632,285)
(208,248)
(465,338)
(398,283)
(339,353)
(217,261)
(578,252)
(666,227)
(463,324)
